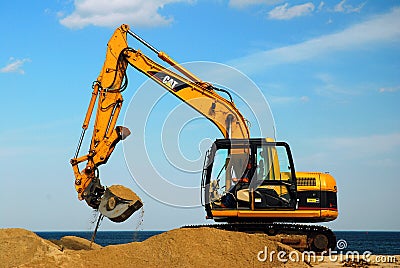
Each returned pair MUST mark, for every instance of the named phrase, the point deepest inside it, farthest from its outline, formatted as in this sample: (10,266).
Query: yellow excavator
(248,184)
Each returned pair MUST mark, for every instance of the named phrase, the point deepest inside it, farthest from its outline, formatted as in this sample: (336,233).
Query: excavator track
(301,237)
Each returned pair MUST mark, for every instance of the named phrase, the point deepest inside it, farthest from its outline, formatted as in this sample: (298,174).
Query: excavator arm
(107,100)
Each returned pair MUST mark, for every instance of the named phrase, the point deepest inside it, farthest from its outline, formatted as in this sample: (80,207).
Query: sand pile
(124,192)
(75,243)
(203,247)
(19,246)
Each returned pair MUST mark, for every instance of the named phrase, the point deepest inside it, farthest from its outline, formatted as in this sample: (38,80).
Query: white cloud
(320,6)
(15,66)
(341,7)
(379,29)
(284,12)
(246,3)
(330,87)
(304,99)
(111,13)
(389,89)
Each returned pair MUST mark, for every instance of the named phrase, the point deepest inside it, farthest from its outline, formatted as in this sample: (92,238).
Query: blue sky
(330,71)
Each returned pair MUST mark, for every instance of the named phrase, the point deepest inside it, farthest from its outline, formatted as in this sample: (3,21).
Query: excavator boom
(107,89)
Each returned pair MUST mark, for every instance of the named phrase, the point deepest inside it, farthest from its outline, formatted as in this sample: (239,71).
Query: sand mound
(75,243)
(18,246)
(202,247)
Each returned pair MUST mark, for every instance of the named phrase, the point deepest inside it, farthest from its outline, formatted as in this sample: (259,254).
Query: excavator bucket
(119,203)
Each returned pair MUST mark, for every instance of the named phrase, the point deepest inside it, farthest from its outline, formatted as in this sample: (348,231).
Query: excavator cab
(245,175)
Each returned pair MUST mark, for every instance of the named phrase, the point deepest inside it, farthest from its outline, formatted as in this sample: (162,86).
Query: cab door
(273,183)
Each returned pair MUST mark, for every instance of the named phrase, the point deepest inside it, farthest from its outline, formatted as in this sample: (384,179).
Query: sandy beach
(202,247)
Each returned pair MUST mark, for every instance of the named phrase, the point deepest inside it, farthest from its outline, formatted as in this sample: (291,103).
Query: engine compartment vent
(306,182)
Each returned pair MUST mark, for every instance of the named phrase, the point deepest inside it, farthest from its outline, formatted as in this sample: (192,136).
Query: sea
(378,243)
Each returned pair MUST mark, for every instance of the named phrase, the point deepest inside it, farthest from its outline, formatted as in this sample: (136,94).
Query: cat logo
(172,83)
(169,82)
